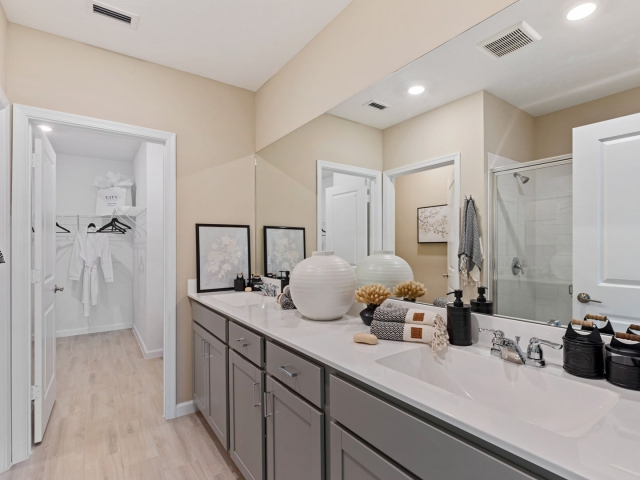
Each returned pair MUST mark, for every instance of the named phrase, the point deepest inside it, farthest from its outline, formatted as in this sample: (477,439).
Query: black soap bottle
(481,304)
(239,284)
(459,321)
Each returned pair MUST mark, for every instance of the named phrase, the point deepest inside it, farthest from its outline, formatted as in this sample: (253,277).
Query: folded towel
(470,252)
(408,315)
(436,337)
(285,300)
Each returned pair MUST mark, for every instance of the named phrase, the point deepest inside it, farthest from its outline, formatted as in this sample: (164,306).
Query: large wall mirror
(488,116)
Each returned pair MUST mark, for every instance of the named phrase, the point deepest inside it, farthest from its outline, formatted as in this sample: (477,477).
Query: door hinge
(36,160)
(35,392)
(35,276)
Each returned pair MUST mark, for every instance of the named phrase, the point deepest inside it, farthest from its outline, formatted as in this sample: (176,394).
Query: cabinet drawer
(210,320)
(300,375)
(247,343)
(419,447)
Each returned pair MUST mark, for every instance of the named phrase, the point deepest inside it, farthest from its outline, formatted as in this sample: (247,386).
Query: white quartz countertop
(606,450)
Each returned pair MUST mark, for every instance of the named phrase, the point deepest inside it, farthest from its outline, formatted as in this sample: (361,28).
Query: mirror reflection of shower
(531,244)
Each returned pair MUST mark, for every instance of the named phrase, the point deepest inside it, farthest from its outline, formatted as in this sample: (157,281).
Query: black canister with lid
(583,355)
(481,304)
(623,364)
(459,321)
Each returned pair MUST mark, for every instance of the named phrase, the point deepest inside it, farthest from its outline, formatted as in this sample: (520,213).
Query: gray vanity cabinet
(210,380)
(246,433)
(217,355)
(294,436)
(200,370)
(353,460)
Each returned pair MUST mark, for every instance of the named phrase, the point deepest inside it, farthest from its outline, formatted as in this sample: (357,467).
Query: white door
(346,222)
(44,232)
(453,275)
(606,220)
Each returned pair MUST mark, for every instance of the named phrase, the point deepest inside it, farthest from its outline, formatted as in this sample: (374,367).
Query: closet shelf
(122,211)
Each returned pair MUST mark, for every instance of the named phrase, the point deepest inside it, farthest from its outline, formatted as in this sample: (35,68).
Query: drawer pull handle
(202,354)
(287,372)
(242,342)
(254,395)
(266,405)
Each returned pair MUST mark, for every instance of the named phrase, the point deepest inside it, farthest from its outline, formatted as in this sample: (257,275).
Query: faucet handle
(496,333)
(534,342)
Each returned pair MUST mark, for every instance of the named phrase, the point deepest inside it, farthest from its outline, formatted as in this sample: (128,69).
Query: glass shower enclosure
(531,240)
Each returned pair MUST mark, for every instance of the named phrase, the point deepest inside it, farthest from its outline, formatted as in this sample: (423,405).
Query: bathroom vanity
(292,398)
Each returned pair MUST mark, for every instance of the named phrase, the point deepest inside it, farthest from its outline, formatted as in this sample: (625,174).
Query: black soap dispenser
(239,283)
(481,304)
(459,321)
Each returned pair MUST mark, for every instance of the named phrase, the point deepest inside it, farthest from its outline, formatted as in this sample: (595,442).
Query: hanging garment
(470,252)
(86,251)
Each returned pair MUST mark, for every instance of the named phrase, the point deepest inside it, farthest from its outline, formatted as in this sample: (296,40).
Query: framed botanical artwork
(433,224)
(222,251)
(284,248)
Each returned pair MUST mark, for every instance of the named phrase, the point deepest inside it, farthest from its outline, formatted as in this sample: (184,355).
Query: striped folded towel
(403,332)
(408,315)
(285,301)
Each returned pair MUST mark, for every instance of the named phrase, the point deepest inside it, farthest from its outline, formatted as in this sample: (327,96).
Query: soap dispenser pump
(481,304)
(459,321)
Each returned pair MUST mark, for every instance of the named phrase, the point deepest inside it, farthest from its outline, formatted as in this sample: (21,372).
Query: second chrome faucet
(509,350)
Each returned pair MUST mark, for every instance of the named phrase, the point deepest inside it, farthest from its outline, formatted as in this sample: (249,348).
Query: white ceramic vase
(383,267)
(323,286)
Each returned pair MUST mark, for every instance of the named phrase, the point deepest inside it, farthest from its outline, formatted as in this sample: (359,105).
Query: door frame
(23,119)
(389,191)
(375,176)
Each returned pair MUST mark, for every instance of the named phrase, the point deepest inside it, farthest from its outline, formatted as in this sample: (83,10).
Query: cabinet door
(295,436)
(200,371)
(246,434)
(353,460)
(217,355)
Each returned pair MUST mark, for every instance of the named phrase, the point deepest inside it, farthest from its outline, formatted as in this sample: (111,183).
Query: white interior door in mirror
(606,228)
(347,221)
(453,276)
(44,232)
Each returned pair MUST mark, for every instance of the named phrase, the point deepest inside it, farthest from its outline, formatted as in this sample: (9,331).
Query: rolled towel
(434,336)
(409,315)
(285,301)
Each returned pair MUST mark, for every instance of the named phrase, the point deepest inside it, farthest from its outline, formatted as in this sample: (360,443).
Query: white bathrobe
(87,248)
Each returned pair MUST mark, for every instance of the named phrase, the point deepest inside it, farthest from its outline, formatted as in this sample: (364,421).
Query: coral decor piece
(409,290)
(373,294)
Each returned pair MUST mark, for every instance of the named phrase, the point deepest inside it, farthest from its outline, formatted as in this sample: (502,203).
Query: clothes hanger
(112,227)
(64,230)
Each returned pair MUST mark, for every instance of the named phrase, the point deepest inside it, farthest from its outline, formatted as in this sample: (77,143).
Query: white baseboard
(98,329)
(147,354)
(185,408)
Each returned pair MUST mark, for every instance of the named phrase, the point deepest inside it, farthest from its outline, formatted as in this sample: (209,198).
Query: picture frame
(433,224)
(284,248)
(221,252)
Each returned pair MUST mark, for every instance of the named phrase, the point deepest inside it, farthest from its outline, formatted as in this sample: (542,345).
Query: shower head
(522,178)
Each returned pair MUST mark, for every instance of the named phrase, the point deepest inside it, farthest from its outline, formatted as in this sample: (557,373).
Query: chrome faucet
(269,289)
(509,350)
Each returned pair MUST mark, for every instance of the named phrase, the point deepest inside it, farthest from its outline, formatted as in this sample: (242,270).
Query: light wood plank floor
(107,421)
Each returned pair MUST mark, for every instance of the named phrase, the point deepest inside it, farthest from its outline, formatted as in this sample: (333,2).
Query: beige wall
(554,131)
(4,40)
(455,127)
(428,260)
(214,122)
(369,40)
(508,131)
(286,172)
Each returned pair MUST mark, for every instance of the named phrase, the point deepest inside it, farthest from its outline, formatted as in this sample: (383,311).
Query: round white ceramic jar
(383,267)
(323,286)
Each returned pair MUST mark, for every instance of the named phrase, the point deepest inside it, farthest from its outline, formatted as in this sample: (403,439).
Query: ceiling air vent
(105,10)
(509,40)
(378,105)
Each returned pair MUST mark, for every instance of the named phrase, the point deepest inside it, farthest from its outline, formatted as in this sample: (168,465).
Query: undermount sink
(559,405)
(245,299)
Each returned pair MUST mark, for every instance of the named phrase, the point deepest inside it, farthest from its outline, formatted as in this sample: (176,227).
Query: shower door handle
(585,298)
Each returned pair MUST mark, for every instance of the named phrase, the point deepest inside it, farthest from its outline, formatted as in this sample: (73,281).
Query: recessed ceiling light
(417,90)
(581,11)
(44,128)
